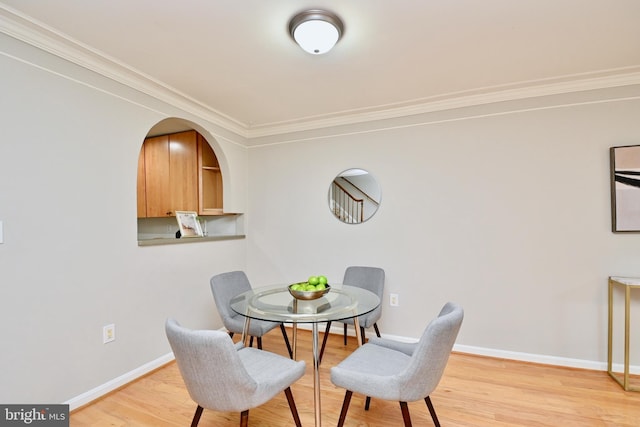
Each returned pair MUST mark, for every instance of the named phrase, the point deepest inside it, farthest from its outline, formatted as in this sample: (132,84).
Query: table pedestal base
(316,364)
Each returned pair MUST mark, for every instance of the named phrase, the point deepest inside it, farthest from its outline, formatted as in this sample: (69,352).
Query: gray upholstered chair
(225,377)
(371,278)
(224,287)
(405,372)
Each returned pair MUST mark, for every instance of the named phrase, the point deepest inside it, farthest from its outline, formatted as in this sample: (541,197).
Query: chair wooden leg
(375,326)
(364,340)
(432,411)
(367,403)
(324,341)
(345,407)
(231,334)
(259,342)
(251,342)
(286,340)
(292,406)
(196,416)
(345,334)
(244,418)
(405,414)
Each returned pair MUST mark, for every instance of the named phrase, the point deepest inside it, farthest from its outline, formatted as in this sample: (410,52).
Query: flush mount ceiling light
(316,31)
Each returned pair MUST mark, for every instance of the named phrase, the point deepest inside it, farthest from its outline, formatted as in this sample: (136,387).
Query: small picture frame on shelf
(189,224)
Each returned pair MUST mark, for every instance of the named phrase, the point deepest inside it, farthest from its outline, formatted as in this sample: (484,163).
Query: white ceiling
(235,59)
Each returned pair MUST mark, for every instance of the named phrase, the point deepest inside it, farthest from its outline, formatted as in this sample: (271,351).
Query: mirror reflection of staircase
(349,203)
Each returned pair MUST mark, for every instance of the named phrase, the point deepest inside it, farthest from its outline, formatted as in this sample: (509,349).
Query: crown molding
(585,82)
(37,34)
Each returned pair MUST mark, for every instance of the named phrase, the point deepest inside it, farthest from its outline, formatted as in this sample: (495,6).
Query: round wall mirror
(354,196)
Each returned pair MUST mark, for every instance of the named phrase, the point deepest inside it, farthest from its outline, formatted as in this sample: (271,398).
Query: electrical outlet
(394,300)
(108,333)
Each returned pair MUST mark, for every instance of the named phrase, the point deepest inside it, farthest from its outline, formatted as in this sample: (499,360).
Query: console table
(628,284)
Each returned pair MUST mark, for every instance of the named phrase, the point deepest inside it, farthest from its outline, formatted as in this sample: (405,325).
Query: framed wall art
(625,188)
(189,224)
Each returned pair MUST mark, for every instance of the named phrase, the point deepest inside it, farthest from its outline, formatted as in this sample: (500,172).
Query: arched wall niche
(159,227)
(174,124)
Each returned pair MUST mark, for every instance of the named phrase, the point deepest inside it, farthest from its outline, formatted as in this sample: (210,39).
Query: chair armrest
(404,347)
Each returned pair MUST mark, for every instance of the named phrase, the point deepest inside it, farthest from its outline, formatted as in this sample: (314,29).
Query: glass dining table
(275,303)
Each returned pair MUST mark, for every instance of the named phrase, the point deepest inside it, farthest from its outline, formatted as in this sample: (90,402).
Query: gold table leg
(316,375)
(624,381)
(356,324)
(245,331)
(610,333)
(294,327)
(627,324)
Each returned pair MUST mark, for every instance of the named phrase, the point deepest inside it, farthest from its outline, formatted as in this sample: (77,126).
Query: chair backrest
(430,357)
(224,287)
(211,368)
(372,279)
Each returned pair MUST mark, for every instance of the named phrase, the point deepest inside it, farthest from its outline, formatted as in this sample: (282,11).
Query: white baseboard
(130,376)
(98,392)
(544,359)
(504,354)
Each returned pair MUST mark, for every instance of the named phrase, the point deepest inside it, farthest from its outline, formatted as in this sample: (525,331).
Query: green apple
(313,280)
(321,287)
(322,280)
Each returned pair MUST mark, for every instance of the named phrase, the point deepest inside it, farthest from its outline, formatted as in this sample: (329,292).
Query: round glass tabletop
(275,303)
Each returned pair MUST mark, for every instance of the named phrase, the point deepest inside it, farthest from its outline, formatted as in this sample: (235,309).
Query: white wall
(503,208)
(70,262)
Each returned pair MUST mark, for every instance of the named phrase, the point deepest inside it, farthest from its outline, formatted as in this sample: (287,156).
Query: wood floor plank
(475,391)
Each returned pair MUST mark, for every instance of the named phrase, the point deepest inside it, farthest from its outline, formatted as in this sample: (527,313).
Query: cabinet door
(142,188)
(157,173)
(168,175)
(183,171)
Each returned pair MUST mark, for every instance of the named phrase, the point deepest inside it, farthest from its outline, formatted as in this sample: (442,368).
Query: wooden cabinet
(142,189)
(171,178)
(156,176)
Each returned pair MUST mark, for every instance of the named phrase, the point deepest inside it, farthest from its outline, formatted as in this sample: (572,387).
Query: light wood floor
(475,391)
